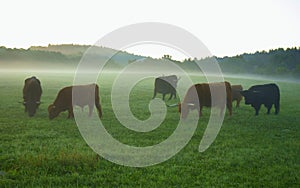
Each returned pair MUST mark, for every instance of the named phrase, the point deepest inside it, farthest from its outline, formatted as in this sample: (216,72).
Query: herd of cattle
(219,95)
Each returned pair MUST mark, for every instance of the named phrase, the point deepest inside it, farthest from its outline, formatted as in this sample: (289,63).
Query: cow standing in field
(166,85)
(83,95)
(32,92)
(199,95)
(267,94)
(236,94)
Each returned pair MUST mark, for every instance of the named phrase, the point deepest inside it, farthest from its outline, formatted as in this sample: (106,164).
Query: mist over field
(275,65)
(278,64)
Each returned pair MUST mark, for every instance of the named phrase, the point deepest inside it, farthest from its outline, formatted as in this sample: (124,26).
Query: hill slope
(279,62)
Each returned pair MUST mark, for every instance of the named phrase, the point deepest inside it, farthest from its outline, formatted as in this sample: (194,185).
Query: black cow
(267,94)
(166,85)
(32,92)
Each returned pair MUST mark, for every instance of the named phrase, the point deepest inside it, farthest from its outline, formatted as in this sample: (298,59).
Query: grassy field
(249,151)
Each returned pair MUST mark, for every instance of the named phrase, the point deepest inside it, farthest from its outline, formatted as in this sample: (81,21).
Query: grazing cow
(32,92)
(236,95)
(166,85)
(83,95)
(199,95)
(267,94)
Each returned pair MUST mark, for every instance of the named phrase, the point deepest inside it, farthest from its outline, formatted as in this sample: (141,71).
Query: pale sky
(227,27)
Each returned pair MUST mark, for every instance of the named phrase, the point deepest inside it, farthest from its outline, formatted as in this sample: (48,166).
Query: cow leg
(200,111)
(154,94)
(229,106)
(222,108)
(238,103)
(221,111)
(71,113)
(257,109)
(164,96)
(269,108)
(91,108)
(172,95)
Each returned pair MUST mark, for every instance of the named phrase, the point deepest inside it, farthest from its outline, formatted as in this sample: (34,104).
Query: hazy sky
(226,27)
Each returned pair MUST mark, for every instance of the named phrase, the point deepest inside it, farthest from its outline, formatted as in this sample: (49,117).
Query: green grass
(249,151)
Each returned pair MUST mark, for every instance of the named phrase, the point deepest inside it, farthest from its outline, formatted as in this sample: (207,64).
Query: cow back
(166,84)
(269,92)
(221,93)
(205,90)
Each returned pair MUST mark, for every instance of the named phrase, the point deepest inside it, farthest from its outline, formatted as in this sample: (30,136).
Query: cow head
(172,80)
(53,111)
(31,107)
(183,109)
(183,113)
(250,96)
(175,81)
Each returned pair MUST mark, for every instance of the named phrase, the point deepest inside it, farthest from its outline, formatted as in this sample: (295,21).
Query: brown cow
(84,95)
(236,95)
(203,98)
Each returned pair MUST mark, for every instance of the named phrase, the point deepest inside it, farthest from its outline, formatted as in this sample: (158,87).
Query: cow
(267,94)
(166,85)
(236,95)
(199,95)
(83,95)
(32,92)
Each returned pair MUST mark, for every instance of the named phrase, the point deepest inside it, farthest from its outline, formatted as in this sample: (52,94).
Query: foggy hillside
(277,62)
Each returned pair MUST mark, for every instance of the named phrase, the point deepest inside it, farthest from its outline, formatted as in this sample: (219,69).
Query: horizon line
(89,45)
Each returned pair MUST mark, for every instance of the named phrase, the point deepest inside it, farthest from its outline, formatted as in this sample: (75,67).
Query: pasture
(249,151)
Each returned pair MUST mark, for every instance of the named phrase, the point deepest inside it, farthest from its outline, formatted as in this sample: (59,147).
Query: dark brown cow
(32,92)
(83,95)
(193,100)
(166,85)
(236,94)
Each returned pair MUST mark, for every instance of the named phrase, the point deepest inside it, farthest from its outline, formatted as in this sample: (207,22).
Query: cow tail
(154,93)
(277,102)
(228,97)
(97,101)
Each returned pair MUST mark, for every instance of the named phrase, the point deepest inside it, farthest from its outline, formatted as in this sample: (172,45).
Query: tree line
(275,62)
